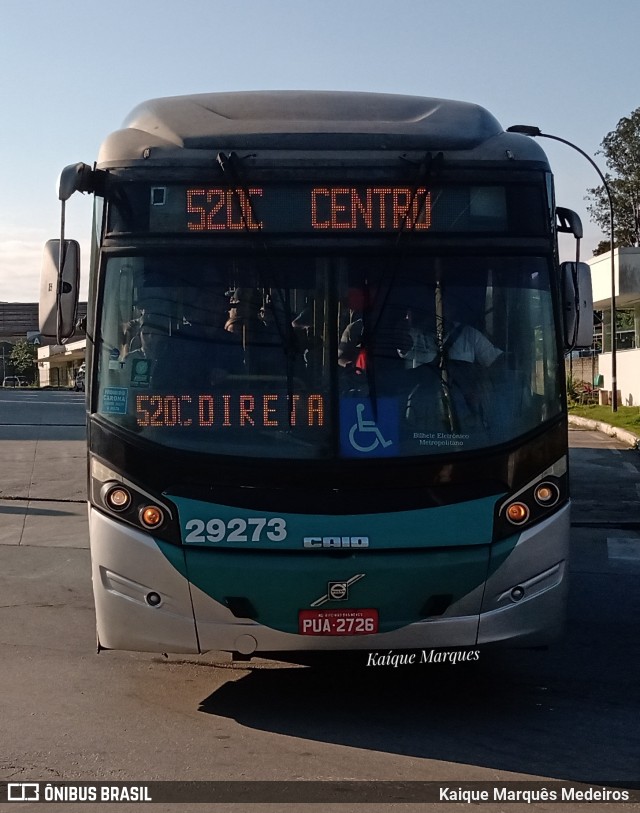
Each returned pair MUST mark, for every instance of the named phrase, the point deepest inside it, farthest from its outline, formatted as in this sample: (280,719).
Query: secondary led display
(225,411)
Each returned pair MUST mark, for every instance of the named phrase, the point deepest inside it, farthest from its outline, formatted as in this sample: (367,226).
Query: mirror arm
(568,222)
(61,259)
(78,177)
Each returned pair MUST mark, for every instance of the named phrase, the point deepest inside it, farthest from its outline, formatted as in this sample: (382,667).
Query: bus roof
(303,120)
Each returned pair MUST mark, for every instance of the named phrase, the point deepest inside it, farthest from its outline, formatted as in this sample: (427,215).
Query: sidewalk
(43,476)
(42,482)
(613,431)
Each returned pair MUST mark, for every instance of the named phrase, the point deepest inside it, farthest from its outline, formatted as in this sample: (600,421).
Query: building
(626,273)
(17,319)
(57,364)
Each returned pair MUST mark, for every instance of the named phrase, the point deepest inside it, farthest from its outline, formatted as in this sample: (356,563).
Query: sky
(71,70)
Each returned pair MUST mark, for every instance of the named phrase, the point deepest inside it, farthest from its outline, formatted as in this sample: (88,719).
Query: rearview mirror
(577,301)
(59,292)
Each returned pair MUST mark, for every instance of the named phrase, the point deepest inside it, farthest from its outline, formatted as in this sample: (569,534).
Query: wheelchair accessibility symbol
(362,434)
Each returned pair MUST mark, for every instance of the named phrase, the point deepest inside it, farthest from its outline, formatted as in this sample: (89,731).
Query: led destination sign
(227,411)
(325,208)
(317,209)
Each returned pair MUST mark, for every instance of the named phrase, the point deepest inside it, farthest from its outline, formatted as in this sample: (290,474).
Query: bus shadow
(526,712)
(38,432)
(23,505)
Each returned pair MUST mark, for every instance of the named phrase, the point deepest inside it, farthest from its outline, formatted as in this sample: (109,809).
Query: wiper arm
(426,168)
(443,369)
(288,338)
(368,344)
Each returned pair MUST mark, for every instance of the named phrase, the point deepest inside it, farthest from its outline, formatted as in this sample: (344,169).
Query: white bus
(325,379)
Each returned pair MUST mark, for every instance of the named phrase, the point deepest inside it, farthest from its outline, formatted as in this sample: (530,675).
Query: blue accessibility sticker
(369,432)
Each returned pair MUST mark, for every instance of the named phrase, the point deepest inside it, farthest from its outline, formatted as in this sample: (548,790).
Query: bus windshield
(325,356)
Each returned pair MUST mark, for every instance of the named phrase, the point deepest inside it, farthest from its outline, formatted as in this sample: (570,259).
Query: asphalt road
(570,713)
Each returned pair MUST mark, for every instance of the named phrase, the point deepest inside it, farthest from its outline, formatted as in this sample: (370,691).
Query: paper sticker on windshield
(114,360)
(140,373)
(114,400)
(368,433)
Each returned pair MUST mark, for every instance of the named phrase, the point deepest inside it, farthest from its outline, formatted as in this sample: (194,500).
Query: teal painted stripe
(207,525)
(397,585)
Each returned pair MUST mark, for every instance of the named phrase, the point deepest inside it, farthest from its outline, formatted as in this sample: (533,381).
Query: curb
(613,431)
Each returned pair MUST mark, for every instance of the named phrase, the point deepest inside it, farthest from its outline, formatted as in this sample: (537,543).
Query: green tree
(5,358)
(24,358)
(621,149)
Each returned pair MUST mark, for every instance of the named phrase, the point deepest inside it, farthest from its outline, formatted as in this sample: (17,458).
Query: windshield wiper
(288,339)
(443,345)
(426,168)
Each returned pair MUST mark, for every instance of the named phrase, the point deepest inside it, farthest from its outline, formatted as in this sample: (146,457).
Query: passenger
(219,353)
(418,343)
(179,359)
(130,339)
(350,352)
(303,322)
(246,315)
(153,332)
(446,379)
(260,343)
(367,349)
(309,343)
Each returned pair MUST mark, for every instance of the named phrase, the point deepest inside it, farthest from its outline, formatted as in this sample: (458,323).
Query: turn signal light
(151,516)
(517,513)
(118,498)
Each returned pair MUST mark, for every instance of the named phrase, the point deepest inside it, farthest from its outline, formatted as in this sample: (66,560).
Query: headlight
(546,494)
(115,495)
(532,503)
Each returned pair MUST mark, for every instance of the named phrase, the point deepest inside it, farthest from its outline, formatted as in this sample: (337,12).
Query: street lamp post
(535,132)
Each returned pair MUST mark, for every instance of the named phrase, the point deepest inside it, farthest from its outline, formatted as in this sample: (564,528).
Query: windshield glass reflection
(320,357)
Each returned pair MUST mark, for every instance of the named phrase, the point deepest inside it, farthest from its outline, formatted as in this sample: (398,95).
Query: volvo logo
(338,591)
(334,542)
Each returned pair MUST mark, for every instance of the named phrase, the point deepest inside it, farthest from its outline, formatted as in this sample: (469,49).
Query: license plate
(337,622)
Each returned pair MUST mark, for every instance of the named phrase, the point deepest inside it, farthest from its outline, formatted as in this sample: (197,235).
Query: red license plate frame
(338,622)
